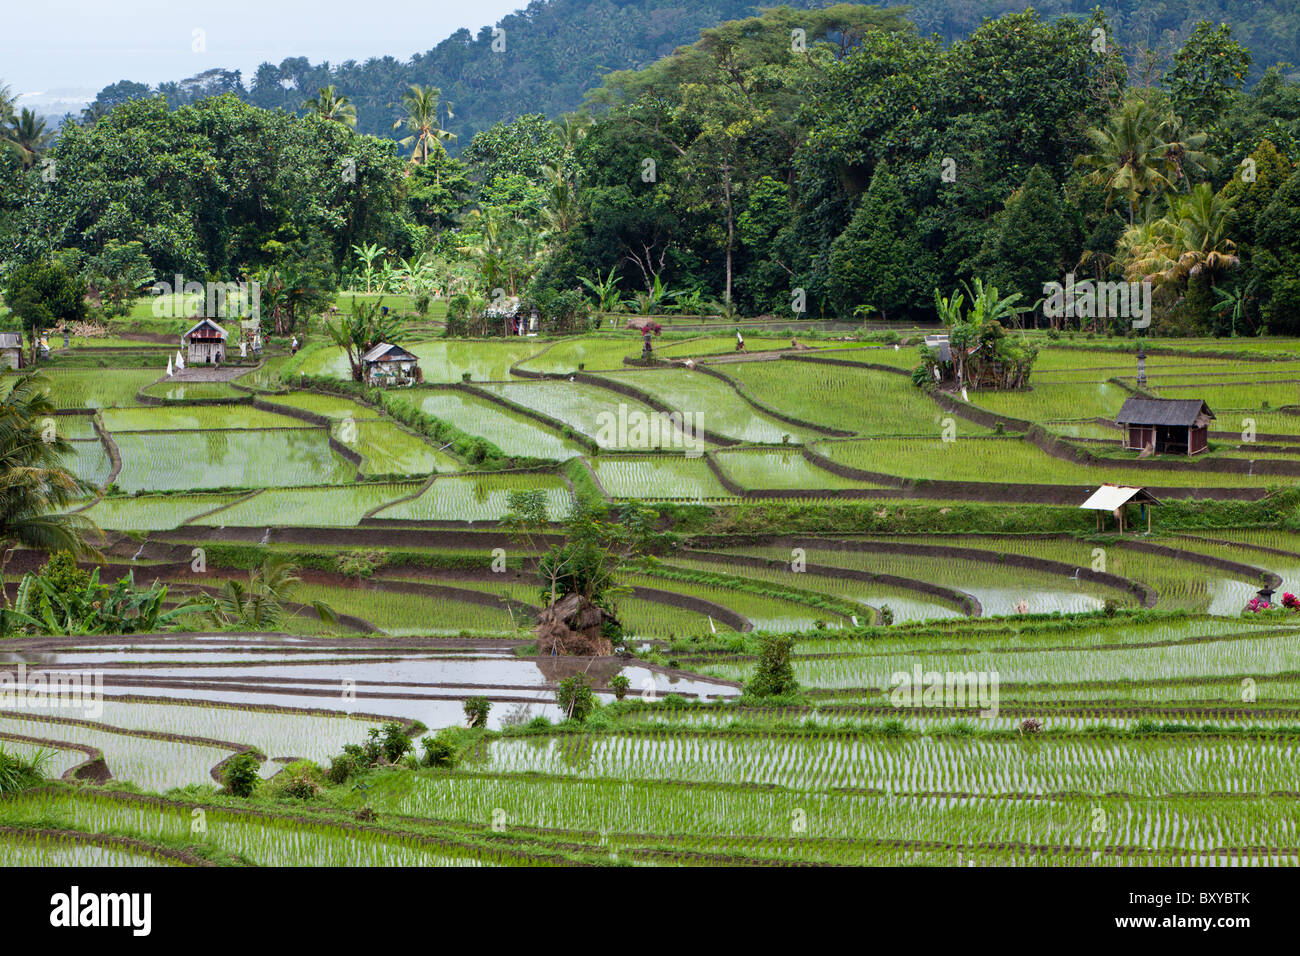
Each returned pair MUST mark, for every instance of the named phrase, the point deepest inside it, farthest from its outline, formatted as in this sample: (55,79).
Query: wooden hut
(1170,426)
(387,364)
(205,343)
(1113,498)
(945,370)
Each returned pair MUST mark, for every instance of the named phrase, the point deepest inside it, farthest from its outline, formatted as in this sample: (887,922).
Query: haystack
(572,625)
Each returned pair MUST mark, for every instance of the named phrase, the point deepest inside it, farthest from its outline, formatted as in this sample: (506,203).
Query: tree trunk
(731,228)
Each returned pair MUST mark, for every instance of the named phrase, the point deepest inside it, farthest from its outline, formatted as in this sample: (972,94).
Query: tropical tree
(328,105)
(422,105)
(1139,152)
(1190,240)
(46,607)
(35,485)
(562,210)
(290,292)
(7,102)
(28,137)
(368,253)
(606,291)
(263,602)
(362,330)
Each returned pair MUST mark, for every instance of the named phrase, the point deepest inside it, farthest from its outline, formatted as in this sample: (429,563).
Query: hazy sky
(56,49)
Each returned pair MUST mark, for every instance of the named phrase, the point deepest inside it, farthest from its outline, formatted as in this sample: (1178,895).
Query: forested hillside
(548,55)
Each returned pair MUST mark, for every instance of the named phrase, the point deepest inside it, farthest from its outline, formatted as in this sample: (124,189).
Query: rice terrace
(518,510)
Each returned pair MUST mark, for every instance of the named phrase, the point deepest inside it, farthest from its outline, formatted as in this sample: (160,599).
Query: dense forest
(836,162)
(546,57)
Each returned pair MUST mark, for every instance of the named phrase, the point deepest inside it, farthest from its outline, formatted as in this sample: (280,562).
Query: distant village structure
(205,343)
(1166,426)
(387,365)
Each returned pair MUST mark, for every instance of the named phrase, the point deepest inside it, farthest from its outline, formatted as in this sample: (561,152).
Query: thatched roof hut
(573,625)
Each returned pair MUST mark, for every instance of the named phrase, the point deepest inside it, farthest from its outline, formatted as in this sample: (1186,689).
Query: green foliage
(619,684)
(575,697)
(389,741)
(241,774)
(19,772)
(360,564)
(1206,71)
(774,674)
(261,603)
(878,261)
(438,752)
(476,711)
(71,604)
(1277,257)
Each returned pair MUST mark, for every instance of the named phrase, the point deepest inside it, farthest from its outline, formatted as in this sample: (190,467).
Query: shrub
(392,742)
(886,615)
(476,711)
(301,787)
(20,771)
(619,684)
(346,765)
(575,697)
(438,752)
(774,676)
(241,774)
(359,564)
(1111,606)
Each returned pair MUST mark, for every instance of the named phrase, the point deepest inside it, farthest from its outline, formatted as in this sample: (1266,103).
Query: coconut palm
(1138,152)
(262,603)
(35,484)
(1202,220)
(28,137)
(561,212)
(422,104)
(327,104)
(1191,239)
(7,102)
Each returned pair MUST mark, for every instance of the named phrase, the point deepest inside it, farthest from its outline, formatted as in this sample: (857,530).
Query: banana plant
(608,297)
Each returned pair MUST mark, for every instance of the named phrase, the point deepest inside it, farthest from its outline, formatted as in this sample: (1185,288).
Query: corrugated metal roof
(940,344)
(11,340)
(1110,497)
(202,322)
(1161,411)
(382,349)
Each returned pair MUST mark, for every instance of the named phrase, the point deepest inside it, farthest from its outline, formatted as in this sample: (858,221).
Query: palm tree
(35,485)
(561,212)
(262,603)
(328,105)
(1190,240)
(28,136)
(422,105)
(1139,152)
(7,102)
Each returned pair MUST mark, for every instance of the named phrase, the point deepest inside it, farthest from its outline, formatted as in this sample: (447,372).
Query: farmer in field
(740,341)
(293,346)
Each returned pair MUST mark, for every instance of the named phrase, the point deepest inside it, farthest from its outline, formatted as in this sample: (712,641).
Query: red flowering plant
(1290,601)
